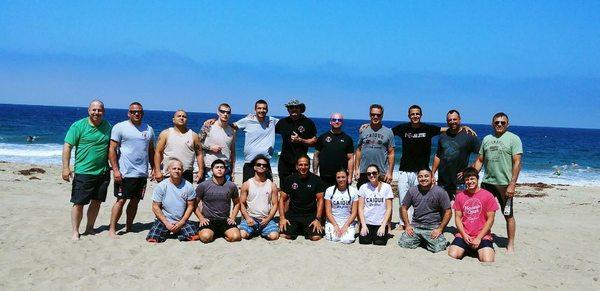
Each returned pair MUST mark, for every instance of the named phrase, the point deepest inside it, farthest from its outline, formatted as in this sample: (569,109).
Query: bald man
(337,150)
(90,136)
(181,143)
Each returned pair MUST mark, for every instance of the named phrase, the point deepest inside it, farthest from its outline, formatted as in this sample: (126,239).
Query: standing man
(90,136)
(131,148)
(181,143)
(297,134)
(258,203)
(337,149)
(304,190)
(432,214)
(215,196)
(259,137)
(375,146)
(501,153)
(218,142)
(452,155)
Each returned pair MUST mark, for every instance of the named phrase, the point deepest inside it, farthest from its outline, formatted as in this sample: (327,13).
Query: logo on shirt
(145,135)
(415,135)
(472,209)
(301,128)
(328,139)
(294,185)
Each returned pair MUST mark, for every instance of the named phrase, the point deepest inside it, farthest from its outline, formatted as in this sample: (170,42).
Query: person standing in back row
(337,150)
(218,142)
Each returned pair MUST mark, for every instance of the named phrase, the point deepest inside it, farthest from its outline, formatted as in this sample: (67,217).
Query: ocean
(551,155)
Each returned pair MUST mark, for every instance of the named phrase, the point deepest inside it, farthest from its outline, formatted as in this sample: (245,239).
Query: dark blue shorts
(461,243)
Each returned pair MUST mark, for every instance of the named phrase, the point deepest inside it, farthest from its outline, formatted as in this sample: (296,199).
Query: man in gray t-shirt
(431,214)
(375,146)
(215,197)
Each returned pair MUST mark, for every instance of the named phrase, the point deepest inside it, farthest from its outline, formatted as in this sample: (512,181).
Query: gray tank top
(180,146)
(259,199)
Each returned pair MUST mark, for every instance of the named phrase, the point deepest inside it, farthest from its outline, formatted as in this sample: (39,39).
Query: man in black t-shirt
(337,150)
(298,133)
(304,190)
(452,155)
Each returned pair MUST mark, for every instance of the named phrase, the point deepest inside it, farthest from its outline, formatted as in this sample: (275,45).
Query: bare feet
(113,234)
(75,236)
(510,250)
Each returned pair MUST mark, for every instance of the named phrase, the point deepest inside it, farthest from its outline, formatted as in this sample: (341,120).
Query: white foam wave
(31,153)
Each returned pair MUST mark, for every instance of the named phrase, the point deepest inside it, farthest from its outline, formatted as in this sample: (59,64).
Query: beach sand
(558,247)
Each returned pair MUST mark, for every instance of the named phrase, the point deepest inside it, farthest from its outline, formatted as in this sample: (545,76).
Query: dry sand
(558,247)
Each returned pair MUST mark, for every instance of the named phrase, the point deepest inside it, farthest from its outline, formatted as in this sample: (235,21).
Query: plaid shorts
(159,231)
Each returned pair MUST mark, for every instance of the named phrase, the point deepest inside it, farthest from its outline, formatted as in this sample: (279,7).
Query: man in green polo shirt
(90,136)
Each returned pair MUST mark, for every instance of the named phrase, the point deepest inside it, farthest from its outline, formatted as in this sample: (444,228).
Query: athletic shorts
(218,227)
(89,187)
(159,232)
(300,226)
(256,229)
(422,236)
(285,169)
(131,188)
(328,181)
(499,191)
(248,172)
(372,237)
(347,237)
(461,243)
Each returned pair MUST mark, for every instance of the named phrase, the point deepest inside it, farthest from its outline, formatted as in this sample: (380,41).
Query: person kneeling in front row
(173,202)
(341,207)
(429,202)
(374,208)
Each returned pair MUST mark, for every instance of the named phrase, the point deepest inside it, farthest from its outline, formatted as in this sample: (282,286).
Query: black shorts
(218,227)
(131,188)
(89,187)
(285,169)
(328,181)
(300,226)
(372,237)
(499,191)
(248,172)
(461,243)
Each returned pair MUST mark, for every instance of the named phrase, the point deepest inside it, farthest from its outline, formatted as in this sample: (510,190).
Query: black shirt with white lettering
(302,194)
(333,152)
(416,145)
(304,127)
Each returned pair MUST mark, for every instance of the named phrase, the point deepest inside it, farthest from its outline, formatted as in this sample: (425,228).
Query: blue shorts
(461,243)
(256,228)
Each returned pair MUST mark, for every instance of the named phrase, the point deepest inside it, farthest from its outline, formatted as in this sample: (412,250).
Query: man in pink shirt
(474,211)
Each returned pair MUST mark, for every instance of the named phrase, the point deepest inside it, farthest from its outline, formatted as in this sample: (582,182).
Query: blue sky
(531,59)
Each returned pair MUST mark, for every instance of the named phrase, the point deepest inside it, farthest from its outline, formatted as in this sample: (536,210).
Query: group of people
(314,204)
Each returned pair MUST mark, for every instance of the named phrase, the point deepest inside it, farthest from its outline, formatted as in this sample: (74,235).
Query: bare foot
(75,236)
(112,234)
(510,250)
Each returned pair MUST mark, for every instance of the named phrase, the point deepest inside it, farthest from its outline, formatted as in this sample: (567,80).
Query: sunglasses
(261,165)
(375,173)
(136,111)
(376,114)
(500,122)
(225,111)
(337,120)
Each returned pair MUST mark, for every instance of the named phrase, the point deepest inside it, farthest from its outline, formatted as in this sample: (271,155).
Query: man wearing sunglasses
(337,149)
(500,154)
(375,146)
(218,142)
(131,149)
(298,133)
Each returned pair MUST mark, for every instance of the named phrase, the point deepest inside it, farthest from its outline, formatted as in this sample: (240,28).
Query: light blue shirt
(174,198)
(259,136)
(133,148)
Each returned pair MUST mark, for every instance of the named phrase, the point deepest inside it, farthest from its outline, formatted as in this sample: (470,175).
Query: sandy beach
(558,247)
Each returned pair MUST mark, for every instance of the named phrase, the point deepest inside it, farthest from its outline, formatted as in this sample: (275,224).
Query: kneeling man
(431,214)
(258,203)
(173,202)
(215,195)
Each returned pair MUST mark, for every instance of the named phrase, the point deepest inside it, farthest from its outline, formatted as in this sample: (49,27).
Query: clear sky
(539,61)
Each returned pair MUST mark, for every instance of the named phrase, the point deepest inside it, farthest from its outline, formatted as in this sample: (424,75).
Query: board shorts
(300,226)
(372,237)
(257,229)
(461,243)
(348,237)
(159,232)
(89,187)
(423,236)
(499,191)
(218,227)
(131,188)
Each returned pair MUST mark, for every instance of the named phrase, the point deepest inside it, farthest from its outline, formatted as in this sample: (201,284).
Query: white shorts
(347,237)
(405,181)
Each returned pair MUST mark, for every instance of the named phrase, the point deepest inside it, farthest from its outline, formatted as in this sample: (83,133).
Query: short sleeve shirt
(375,202)
(429,206)
(474,209)
(453,151)
(341,202)
(259,137)
(304,127)
(334,150)
(133,147)
(416,145)
(374,146)
(173,198)
(302,194)
(216,199)
(91,146)
(498,153)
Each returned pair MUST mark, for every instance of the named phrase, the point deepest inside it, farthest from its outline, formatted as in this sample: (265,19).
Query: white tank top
(259,199)
(220,137)
(180,146)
